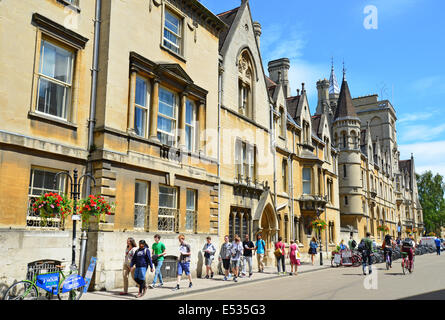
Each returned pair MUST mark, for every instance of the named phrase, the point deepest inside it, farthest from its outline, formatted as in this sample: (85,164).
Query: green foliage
(431,196)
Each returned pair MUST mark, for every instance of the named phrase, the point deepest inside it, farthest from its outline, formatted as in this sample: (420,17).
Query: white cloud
(421,132)
(427,156)
(411,117)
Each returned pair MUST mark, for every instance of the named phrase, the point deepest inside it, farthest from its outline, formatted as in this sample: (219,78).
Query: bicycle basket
(41,267)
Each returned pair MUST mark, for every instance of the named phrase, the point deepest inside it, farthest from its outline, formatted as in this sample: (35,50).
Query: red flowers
(50,205)
(95,206)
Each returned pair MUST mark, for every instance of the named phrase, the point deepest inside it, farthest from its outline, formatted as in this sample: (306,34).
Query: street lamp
(319,238)
(75,195)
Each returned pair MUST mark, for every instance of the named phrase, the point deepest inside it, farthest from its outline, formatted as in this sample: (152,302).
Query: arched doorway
(268,229)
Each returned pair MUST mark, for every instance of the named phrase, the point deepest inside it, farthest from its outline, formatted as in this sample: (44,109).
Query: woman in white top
(129,253)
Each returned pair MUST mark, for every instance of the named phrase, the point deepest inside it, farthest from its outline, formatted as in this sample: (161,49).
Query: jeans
(366,256)
(438,250)
(389,251)
(282,263)
(247,260)
(158,273)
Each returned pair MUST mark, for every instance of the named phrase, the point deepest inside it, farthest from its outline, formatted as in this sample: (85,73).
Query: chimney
(323,95)
(257,32)
(275,67)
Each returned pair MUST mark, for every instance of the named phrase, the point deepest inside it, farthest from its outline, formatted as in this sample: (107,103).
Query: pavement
(201,285)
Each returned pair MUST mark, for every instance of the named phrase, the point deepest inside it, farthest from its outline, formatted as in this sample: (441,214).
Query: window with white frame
(54,80)
(168,212)
(245,160)
(42,181)
(141,107)
(190,125)
(306,180)
(141,208)
(190,217)
(167,117)
(172,38)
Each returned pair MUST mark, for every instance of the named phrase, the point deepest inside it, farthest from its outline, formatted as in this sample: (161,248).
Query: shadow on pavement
(434,295)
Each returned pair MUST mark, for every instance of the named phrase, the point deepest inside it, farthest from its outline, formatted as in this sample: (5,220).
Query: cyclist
(388,245)
(408,246)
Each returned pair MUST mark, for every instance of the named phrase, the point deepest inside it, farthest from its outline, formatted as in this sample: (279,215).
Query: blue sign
(89,273)
(48,282)
(74,281)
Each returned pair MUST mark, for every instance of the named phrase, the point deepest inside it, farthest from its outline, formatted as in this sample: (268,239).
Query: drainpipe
(220,90)
(91,123)
(272,141)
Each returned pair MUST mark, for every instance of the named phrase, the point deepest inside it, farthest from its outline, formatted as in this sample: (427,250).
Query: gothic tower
(346,129)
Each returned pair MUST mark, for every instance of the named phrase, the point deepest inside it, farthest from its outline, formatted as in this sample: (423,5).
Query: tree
(431,196)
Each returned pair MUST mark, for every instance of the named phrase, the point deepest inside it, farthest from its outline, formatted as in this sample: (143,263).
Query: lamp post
(75,195)
(319,238)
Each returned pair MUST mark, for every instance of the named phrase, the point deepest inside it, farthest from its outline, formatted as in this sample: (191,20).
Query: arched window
(344,140)
(245,84)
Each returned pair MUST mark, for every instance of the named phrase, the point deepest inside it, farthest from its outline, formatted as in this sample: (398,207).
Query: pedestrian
(352,244)
(248,247)
(260,248)
(224,255)
(127,270)
(140,262)
(184,261)
(342,245)
(313,245)
(280,254)
(294,257)
(236,251)
(437,241)
(158,259)
(209,254)
(365,247)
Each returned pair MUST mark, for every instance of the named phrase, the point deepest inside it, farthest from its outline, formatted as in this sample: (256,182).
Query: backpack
(361,247)
(353,244)
(407,243)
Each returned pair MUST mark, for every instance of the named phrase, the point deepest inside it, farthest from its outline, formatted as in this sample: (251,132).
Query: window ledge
(69,5)
(51,120)
(177,55)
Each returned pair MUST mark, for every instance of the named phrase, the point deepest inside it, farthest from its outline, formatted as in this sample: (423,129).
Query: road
(426,282)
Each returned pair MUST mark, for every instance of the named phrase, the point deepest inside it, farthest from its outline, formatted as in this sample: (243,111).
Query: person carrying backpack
(260,247)
(408,247)
(365,247)
(352,244)
(141,259)
(387,246)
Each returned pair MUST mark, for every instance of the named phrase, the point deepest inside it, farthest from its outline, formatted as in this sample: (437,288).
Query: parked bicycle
(68,287)
(346,258)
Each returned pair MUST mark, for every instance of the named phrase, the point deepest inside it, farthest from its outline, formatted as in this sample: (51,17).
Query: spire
(333,84)
(344,71)
(345,107)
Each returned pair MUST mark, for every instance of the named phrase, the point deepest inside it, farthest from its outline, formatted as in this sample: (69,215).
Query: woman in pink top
(280,245)
(294,257)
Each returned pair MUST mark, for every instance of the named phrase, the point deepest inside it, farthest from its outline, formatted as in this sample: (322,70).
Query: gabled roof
(292,105)
(345,107)
(227,17)
(316,120)
(405,165)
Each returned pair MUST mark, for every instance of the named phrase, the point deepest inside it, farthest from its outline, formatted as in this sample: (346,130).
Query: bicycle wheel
(73,294)
(403,266)
(22,290)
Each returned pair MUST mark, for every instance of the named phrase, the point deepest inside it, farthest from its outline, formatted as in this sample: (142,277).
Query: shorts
(235,263)
(208,261)
(183,267)
(139,273)
(226,263)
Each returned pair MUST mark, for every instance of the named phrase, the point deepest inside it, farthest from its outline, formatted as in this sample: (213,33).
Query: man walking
(209,253)
(248,247)
(224,255)
(437,241)
(158,258)
(184,261)
(260,247)
(365,247)
(237,251)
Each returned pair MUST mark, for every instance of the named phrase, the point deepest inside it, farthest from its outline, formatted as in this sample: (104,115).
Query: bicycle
(388,260)
(406,264)
(66,288)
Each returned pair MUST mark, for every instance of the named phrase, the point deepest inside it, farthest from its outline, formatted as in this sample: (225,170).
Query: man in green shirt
(366,248)
(159,253)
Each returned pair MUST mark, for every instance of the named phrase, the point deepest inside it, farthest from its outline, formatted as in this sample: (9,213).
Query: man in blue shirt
(437,241)
(260,247)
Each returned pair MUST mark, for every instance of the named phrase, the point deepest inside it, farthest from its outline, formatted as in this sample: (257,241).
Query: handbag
(277,253)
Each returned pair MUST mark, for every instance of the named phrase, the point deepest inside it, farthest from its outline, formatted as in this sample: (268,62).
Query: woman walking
(209,254)
(294,257)
(140,261)
(129,253)
(313,245)
(224,255)
(280,254)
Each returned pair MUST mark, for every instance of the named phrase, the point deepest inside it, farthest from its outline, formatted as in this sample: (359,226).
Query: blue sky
(403,60)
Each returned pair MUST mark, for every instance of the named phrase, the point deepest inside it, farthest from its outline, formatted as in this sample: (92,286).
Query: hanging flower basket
(319,224)
(432,234)
(52,205)
(383,228)
(409,230)
(94,207)
(414,230)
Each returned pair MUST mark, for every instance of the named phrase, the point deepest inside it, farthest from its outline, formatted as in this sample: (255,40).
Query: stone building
(376,188)
(153,151)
